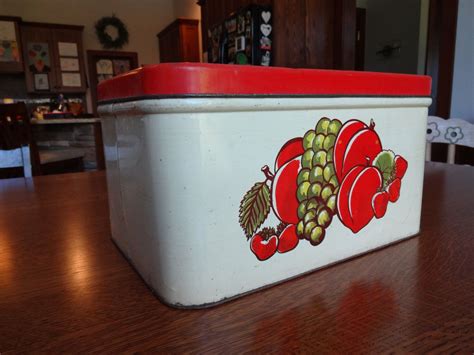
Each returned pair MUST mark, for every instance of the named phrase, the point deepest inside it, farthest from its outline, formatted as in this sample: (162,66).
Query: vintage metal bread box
(224,179)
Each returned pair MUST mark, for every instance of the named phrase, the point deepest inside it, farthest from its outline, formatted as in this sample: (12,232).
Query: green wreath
(105,39)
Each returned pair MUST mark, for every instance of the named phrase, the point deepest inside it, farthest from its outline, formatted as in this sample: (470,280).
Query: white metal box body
(179,170)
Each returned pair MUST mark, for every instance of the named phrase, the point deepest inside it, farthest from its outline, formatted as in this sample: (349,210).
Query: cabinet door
(170,45)
(189,38)
(69,60)
(179,41)
(38,59)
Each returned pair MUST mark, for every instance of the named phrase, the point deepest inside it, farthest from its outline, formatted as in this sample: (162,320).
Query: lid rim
(191,79)
(250,96)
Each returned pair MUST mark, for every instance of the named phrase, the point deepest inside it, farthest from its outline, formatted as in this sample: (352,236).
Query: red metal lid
(196,79)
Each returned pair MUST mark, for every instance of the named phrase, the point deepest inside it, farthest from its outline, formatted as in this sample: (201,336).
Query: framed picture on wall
(41,82)
(104,65)
(38,57)
(11,60)
(121,66)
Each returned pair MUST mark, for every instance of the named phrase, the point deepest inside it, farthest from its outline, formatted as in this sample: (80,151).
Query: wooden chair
(452,131)
(14,141)
(18,150)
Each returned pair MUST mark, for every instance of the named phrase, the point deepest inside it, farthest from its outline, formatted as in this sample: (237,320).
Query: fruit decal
(334,170)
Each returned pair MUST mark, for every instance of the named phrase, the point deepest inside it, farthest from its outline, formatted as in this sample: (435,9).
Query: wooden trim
(53,25)
(177,22)
(344,34)
(360,38)
(113,54)
(204,25)
(442,27)
(99,146)
(11,18)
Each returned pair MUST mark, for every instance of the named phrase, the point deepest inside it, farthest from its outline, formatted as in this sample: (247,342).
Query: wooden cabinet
(306,33)
(179,42)
(53,56)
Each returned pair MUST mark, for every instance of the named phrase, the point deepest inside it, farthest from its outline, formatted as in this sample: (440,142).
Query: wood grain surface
(64,287)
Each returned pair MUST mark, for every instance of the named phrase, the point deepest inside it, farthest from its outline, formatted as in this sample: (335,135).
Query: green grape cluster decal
(317,182)
(334,170)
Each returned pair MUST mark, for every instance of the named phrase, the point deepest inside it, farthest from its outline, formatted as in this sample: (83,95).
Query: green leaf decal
(254,208)
(385,162)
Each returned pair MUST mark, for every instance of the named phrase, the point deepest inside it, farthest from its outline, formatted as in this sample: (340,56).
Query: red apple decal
(290,150)
(394,189)
(380,203)
(284,185)
(354,201)
(401,166)
(288,240)
(348,130)
(355,144)
(263,248)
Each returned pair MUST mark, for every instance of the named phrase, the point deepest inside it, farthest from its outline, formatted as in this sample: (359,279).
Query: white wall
(390,21)
(462,100)
(187,9)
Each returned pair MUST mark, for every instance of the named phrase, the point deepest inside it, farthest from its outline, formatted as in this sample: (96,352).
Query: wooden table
(65,287)
(95,122)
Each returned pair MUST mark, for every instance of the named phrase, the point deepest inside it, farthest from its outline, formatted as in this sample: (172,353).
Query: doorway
(391,35)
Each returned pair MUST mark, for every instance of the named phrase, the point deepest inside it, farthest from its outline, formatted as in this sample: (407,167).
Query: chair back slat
(453,132)
(450,131)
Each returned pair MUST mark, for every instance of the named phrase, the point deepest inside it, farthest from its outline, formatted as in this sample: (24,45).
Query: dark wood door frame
(440,49)
(344,34)
(360,38)
(440,53)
